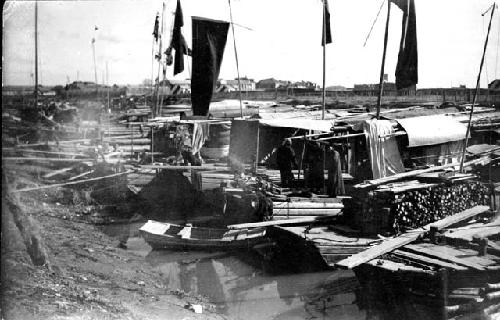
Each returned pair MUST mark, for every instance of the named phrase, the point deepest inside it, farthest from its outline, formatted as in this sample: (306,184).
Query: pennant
(155,29)
(407,67)
(326,25)
(178,43)
(209,41)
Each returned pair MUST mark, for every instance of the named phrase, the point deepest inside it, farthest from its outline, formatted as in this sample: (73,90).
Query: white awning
(307,124)
(431,130)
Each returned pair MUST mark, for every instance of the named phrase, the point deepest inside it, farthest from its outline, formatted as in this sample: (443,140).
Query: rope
(498,46)
(236,56)
(374,21)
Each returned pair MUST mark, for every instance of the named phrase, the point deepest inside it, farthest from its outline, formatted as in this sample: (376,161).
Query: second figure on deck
(285,159)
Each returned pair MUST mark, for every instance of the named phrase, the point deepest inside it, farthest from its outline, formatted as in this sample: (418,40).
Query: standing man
(285,159)
(335,185)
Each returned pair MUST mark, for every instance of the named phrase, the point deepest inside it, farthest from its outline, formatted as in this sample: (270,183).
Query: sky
(274,38)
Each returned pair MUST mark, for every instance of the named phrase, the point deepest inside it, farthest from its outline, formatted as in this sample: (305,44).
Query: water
(240,287)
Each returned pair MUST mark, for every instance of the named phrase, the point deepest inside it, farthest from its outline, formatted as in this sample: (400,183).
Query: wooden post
(476,92)
(381,81)
(443,291)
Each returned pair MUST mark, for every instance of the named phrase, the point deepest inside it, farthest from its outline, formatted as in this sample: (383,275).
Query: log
(284,217)
(307,205)
(406,238)
(493,296)
(28,229)
(493,286)
(15,159)
(57,172)
(273,223)
(70,183)
(307,212)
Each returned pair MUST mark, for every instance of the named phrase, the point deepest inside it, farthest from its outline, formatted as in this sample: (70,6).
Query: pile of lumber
(295,208)
(412,204)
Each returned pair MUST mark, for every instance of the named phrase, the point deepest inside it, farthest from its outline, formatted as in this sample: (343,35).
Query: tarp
(209,40)
(430,130)
(384,154)
(306,124)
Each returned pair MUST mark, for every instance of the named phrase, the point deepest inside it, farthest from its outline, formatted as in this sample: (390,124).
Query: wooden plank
(273,223)
(424,259)
(404,175)
(404,239)
(443,256)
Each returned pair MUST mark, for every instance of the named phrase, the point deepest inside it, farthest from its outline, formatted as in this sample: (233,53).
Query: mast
(156,107)
(236,56)
(381,80)
(36,53)
(476,92)
(324,61)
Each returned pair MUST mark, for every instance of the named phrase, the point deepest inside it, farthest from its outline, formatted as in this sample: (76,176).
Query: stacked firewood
(415,208)
(400,209)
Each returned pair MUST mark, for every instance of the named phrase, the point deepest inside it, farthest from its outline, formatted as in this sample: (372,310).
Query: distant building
(232,85)
(306,85)
(337,89)
(271,84)
(389,89)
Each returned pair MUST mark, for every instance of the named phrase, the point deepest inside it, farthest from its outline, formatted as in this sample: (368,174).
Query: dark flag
(178,43)
(209,41)
(407,67)
(155,29)
(326,25)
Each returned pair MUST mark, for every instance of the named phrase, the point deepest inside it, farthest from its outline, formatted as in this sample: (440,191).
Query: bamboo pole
(477,91)
(36,53)
(236,57)
(382,67)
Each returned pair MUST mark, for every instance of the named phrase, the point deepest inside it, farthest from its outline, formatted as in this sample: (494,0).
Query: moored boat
(176,237)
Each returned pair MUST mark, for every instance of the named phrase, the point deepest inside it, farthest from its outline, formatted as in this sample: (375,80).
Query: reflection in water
(241,289)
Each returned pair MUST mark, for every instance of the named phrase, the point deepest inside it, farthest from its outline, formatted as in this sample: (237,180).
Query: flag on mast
(407,67)
(326,25)
(155,28)
(178,43)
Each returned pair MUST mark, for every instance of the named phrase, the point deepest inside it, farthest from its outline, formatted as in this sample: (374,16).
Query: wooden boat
(176,237)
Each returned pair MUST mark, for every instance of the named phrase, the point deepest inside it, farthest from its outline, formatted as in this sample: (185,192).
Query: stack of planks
(306,207)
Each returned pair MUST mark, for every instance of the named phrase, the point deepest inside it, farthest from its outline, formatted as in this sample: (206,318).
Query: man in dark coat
(335,184)
(285,159)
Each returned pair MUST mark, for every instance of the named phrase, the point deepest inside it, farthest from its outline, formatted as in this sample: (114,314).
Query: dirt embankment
(86,276)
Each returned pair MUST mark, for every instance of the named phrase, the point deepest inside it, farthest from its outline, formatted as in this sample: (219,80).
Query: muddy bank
(86,275)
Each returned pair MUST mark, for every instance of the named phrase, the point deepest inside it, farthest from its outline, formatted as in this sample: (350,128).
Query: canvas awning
(431,130)
(306,124)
